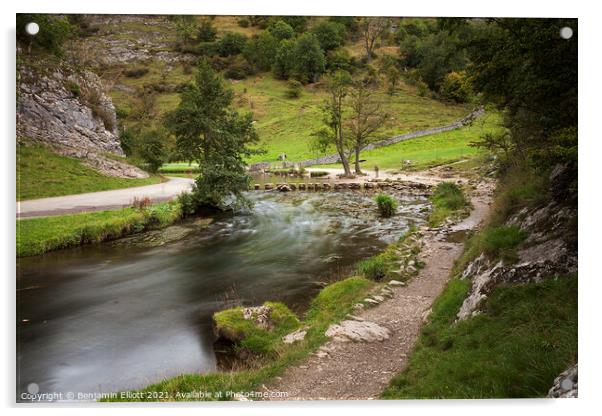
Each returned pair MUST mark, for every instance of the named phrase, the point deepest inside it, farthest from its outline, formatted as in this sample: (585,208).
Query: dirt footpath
(361,370)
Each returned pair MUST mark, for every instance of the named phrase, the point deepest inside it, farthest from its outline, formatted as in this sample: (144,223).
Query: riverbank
(40,235)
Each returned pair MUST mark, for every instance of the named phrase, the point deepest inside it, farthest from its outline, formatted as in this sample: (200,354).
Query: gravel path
(104,200)
(361,370)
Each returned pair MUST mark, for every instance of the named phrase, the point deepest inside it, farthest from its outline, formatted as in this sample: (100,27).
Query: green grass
(448,200)
(331,305)
(428,151)
(387,205)
(42,173)
(39,235)
(525,336)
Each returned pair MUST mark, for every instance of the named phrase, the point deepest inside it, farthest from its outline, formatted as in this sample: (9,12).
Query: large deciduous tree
(209,132)
(372,28)
(365,119)
(332,133)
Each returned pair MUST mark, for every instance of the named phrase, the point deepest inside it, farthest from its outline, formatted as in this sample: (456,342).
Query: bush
(386,205)
(456,87)
(447,199)
(137,72)
(331,35)
(449,195)
(281,30)
(206,32)
(243,22)
(152,150)
(317,174)
(74,88)
(231,44)
(294,89)
(122,112)
(261,50)
(373,268)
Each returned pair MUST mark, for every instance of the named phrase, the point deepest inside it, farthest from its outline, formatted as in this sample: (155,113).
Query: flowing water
(125,314)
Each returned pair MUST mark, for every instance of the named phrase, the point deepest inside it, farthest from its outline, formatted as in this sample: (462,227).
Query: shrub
(456,87)
(74,88)
(137,72)
(317,174)
(330,35)
(449,195)
(294,89)
(231,44)
(260,51)
(152,150)
(281,30)
(206,32)
(447,199)
(243,22)
(386,205)
(122,112)
(141,203)
(55,30)
(373,268)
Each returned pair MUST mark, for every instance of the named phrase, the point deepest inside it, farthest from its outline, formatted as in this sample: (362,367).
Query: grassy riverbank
(42,173)
(40,235)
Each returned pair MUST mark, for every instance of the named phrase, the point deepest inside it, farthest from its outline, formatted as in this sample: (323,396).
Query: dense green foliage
(42,173)
(54,31)
(525,336)
(209,132)
(387,205)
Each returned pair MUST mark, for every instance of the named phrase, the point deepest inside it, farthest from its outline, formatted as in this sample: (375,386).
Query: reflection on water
(105,317)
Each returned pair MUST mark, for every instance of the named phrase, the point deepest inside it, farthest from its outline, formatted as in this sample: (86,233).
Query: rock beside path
(357,331)
(565,385)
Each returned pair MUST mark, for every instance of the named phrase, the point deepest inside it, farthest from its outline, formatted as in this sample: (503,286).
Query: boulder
(357,331)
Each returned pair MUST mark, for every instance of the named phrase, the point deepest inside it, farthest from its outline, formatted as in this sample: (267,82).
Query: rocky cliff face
(549,250)
(70,113)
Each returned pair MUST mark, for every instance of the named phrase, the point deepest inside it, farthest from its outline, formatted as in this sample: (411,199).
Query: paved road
(104,200)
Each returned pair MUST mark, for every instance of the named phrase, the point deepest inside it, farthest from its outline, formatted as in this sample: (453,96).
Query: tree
(261,50)
(331,35)
(186,28)
(206,32)
(365,119)
(281,30)
(372,28)
(308,58)
(332,133)
(152,149)
(209,132)
(456,87)
(231,44)
(284,61)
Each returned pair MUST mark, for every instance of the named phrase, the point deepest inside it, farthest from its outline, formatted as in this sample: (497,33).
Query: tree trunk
(358,169)
(345,163)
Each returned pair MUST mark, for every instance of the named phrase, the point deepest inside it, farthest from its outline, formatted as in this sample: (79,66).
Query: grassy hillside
(432,150)
(42,173)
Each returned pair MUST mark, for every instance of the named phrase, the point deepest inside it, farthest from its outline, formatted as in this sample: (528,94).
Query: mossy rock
(253,332)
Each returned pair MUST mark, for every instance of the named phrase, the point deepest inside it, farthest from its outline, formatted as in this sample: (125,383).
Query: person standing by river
(376,171)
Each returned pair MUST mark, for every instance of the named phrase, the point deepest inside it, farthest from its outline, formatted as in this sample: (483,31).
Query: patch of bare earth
(343,369)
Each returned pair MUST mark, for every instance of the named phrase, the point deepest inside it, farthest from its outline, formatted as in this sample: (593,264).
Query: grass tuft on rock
(387,205)
(232,325)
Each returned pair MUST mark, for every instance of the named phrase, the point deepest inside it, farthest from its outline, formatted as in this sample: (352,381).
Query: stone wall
(326,160)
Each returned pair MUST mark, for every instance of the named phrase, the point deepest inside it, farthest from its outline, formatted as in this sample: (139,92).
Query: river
(124,314)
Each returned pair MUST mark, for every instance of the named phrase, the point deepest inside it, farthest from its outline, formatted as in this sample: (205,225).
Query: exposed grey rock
(357,331)
(396,283)
(566,384)
(260,314)
(294,336)
(83,127)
